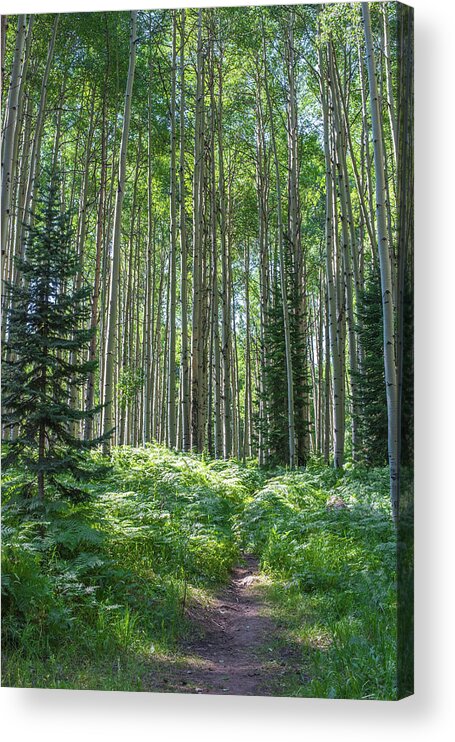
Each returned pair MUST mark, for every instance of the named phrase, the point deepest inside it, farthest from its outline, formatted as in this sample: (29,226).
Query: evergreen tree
(372,408)
(407,398)
(47,332)
(275,428)
(275,393)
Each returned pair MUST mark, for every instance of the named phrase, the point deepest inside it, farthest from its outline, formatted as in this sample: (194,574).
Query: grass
(333,579)
(94,594)
(93,591)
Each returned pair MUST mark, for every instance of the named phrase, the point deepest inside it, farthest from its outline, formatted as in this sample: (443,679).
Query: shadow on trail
(233,651)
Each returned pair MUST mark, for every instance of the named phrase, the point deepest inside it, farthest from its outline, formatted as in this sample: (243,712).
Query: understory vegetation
(327,541)
(206,229)
(94,593)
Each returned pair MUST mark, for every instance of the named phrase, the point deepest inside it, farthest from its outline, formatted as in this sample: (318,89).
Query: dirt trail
(228,655)
(234,634)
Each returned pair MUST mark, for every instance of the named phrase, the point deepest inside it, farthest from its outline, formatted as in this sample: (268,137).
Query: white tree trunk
(10,131)
(385,267)
(36,148)
(111,330)
(196,340)
(333,316)
(185,369)
(286,326)
(171,380)
(226,339)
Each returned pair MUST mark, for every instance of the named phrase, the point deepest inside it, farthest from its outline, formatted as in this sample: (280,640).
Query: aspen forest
(207,344)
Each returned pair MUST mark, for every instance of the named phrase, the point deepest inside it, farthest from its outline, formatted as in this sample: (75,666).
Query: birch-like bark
(3,29)
(294,235)
(320,365)
(171,369)
(185,367)
(349,248)
(128,308)
(107,255)
(367,180)
(10,134)
(385,267)
(215,376)
(226,340)
(80,246)
(196,340)
(327,406)
(284,298)
(333,315)
(11,249)
(389,85)
(111,330)
(90,393)
(157,350)
(36,147)
(247,412)
(262,198)
(163,381)
(20,195)
(150,260)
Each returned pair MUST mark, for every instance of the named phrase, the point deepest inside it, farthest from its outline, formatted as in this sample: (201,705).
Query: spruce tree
(275,428)
(372,408)
(407,394)
(46,336)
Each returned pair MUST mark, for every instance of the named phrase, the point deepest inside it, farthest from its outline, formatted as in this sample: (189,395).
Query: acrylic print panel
(207,240)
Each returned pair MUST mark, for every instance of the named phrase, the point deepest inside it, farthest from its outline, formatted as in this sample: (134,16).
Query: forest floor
(233,652)
(179,574)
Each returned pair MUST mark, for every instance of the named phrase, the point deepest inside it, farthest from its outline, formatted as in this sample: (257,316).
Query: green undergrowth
(94,593)
(333,579)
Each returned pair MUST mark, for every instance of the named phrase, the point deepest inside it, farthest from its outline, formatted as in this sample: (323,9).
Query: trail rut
(228,655)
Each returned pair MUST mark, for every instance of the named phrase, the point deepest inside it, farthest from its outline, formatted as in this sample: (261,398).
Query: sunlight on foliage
(99,582)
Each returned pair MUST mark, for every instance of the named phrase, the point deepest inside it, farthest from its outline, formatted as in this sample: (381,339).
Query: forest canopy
(207,245)
(231,213)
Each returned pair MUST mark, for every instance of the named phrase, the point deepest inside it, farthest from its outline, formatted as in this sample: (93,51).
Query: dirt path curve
(229,652)
(229,660)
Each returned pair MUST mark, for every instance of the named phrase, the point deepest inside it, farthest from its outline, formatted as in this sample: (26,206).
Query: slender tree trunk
(106,266)
(348,251)
(247,405)
(196,353)
(115,260)
(185,367)
(4,27)
(81,238)
(284,298)
(333,315)
(157,352)
(214,326)
(385,268)
(36,148)
(327,408)
(294,236)
(150,270)
(10,135)
(171,377)
(405,208)
(163,382)
(262,197)
(320,365)
(389,85)
(90,394)
(368,162)
(226,340)
(12,222)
